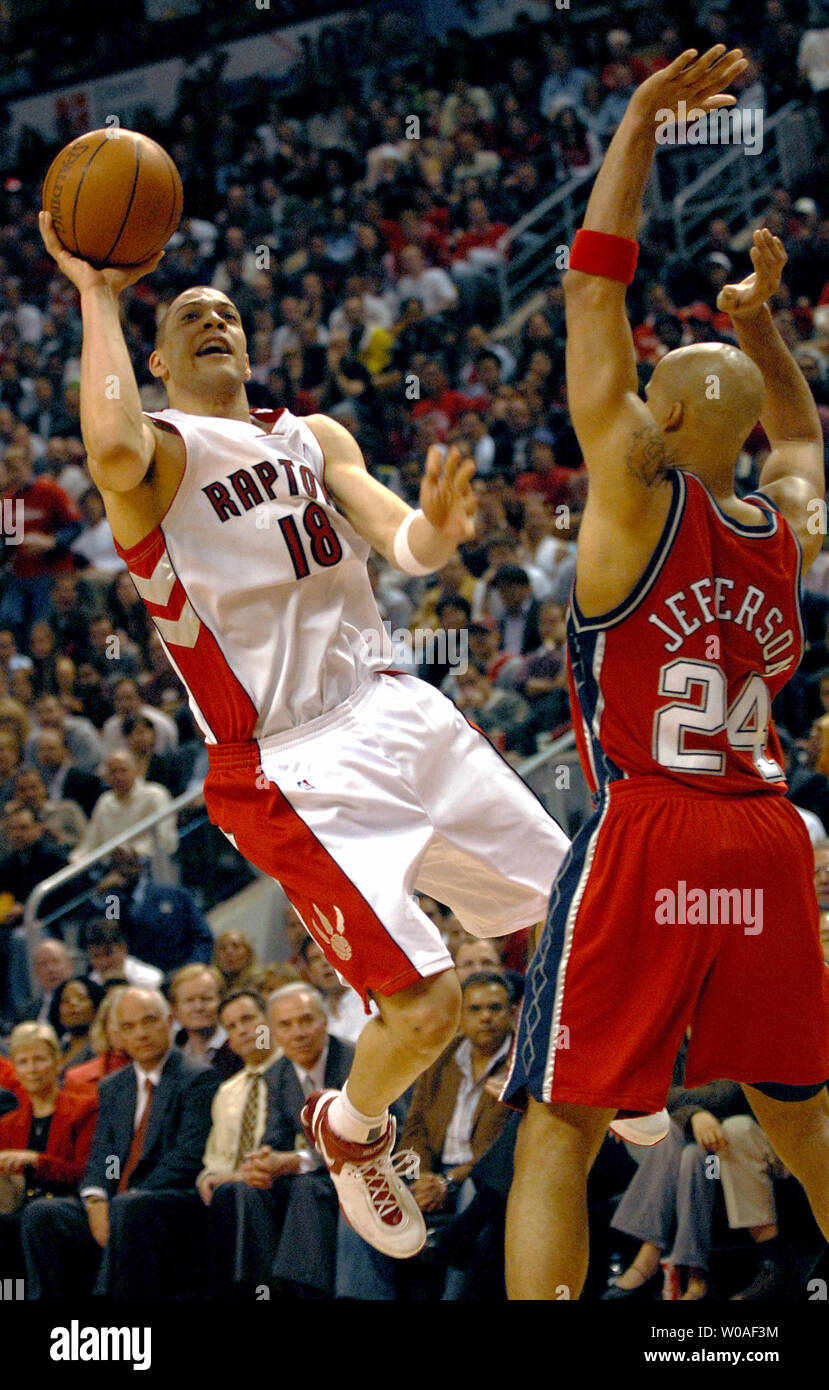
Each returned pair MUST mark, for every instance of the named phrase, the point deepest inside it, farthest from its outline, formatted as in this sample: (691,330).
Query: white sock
(351,1124)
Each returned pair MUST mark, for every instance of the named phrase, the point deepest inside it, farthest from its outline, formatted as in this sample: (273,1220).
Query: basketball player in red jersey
(247,534)
(687,898)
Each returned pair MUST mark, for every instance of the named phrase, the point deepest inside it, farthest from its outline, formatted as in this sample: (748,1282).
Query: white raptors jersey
(256,583)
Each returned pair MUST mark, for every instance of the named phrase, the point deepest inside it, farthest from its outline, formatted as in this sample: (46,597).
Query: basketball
(115,197)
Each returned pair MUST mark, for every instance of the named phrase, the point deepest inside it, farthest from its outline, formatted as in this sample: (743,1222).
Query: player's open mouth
(215,349)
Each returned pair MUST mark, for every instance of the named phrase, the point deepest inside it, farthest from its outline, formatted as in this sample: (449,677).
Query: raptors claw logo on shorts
(335,936)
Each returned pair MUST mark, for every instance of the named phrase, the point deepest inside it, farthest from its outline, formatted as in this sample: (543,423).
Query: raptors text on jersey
(256,583)
(678,680)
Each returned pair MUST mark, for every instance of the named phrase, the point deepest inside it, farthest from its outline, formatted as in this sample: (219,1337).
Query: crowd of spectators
(41,46)
(361,240)
(214,1194)
(363,253)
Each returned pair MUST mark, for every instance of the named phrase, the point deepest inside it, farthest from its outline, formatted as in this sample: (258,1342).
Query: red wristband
(599,253)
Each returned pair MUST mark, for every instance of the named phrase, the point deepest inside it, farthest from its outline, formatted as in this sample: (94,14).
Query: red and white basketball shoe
(373,1199)
(644,1130)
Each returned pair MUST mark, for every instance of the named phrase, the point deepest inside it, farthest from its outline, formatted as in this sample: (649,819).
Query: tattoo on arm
(647,458)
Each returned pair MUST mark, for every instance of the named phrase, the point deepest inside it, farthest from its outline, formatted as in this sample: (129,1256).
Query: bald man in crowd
(149,1140)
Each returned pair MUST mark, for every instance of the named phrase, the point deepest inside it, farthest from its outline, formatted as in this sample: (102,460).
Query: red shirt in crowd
(555,487)
(48,509)
(452,404)
(482,236)
(432,242)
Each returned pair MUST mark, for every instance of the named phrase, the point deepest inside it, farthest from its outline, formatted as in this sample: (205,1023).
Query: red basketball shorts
(676,909)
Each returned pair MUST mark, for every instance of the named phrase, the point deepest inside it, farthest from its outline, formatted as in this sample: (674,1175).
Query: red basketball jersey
(677,681)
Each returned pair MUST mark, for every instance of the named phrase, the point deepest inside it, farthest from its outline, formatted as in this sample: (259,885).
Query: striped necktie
(137,1145)
(250,1114)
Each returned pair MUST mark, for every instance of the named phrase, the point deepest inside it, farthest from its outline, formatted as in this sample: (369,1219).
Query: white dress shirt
(142,1077)
(432,287)
(136,972)
(310,1080)
(346,1016)
(113,815)
(227,1110)
(457,1146)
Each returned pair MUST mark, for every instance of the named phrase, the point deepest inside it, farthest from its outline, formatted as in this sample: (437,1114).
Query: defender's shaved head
(707,398)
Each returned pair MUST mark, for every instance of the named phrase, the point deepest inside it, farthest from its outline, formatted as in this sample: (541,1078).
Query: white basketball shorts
(390,792)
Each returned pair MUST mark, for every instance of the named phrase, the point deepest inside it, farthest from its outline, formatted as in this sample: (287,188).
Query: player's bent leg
(798,1131)
(547,1235)
(352,1129)
(413,1028)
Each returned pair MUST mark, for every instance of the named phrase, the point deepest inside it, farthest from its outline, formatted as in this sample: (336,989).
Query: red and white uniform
(257,585)
(688,898)
(350,786)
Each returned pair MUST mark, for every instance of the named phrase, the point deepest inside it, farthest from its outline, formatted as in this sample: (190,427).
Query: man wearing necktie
(240,1106)
(275,1221)
(153,1121)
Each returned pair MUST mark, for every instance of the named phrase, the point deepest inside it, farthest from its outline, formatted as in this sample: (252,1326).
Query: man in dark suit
(162,923)
(32,858)
(195,992)
(63,779)
(53,965)
(520,633)
(30,861)
(173,768)
(278,1224)
(153,1122)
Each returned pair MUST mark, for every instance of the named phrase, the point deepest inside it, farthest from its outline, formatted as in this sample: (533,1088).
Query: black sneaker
(649,1289)
(771,1281)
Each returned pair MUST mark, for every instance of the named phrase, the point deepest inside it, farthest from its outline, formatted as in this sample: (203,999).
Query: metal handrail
(558,213)
(563,744)
(540,210)
(715,188)
(569,802)
(553,221)
(734,153)
(31,923)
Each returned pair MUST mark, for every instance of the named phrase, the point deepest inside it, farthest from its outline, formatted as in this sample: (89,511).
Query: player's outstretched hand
(768,256)
(83,275)
(699,82)
(446,495)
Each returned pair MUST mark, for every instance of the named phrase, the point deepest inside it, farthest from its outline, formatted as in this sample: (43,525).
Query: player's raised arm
(609,419)
(793,473)
(415,541)
(119,441)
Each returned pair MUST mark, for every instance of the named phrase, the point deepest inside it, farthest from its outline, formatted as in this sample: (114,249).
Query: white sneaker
(373,1200)
(644,1130)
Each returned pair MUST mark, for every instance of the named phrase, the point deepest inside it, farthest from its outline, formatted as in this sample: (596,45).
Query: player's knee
(556,1132)
(426,1017)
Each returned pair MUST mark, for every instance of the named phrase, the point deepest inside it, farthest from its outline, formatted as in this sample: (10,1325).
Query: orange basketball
(115,197)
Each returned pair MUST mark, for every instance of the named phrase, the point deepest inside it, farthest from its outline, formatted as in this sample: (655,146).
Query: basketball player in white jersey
(247,535)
